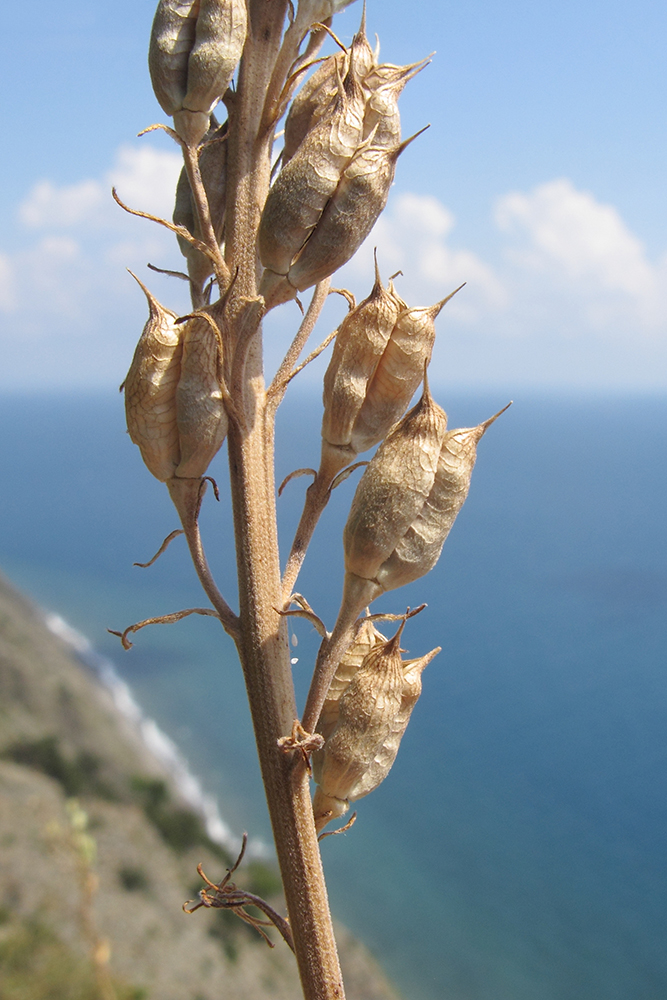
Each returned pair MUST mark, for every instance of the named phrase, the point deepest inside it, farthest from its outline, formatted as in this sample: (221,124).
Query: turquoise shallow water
(517,849)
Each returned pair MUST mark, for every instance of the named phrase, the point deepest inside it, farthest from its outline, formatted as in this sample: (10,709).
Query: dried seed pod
(213,168)
(385,757)
(200,409)
(373,710)
(397,375)
(382,118)
(313,102)
(392,491)
(359,346)
(367,639)
(194,49)
(407,500)
(366,711)
(349,216)
(305,184)
(420,547)
(150,390)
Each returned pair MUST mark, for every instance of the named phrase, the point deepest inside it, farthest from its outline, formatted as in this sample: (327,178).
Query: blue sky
(541,183)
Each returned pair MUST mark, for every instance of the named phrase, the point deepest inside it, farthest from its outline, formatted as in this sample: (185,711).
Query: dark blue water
(517,849)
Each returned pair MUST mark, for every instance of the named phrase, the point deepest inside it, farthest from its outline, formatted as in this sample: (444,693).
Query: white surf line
(156,741)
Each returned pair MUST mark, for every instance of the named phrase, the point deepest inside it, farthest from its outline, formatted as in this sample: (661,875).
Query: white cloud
(145,178)
(580,258)
(571,293)
(7,301)
(412,236)
(80,312)
(569,230)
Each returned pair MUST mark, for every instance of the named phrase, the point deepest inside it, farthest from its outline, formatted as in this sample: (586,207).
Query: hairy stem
(263,643)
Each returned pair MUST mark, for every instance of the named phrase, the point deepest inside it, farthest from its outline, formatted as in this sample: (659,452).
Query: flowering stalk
(197,381)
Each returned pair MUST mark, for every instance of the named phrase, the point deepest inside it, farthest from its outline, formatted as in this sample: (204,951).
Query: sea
(518,848)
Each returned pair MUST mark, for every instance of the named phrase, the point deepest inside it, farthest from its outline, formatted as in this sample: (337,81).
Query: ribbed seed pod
(194,49)
(382,117)
(213,168)
(385,757)
(313,102)
(366,640)
(359,346)
(349,216)
(366,711)
(407,500)
(200,409)
(397,376)
(420,547)
(393,490)
(150,390)
(374,708)
(305,184)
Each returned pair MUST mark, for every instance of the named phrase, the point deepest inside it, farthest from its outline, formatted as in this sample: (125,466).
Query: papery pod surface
(150,391)
(419,549)
(367,709)
(306,183)
(349,216)
(367,639)
(360,342)
(172,38)
(200,409)
(397,376)
(393,489)
(314,101)
(386,755)
(194,50)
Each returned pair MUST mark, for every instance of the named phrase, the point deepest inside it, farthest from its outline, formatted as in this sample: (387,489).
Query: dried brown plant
(256,231)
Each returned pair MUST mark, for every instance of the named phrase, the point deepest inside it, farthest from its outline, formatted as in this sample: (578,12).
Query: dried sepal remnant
(213,168)
(408,498)
(150,390)
(200,408)
(194,49)
(365,717)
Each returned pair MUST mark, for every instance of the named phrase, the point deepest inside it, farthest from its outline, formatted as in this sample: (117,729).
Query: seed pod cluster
(408,498)
(213,168)
(363,721)
(173,400)
(194,49)
(381,352)
(342,141)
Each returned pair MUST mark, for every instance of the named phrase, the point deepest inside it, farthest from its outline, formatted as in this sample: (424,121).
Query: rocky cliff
(97,853)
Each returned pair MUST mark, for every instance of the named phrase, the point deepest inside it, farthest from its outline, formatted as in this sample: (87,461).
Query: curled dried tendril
(177,616)
(225,895)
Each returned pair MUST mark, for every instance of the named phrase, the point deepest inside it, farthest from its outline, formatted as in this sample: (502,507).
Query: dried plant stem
(285,373)
(191,160)
(317,497)
(262,643)
(265,659)
(187,495)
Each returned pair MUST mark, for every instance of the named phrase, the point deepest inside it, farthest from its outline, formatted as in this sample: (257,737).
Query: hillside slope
(97,854)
